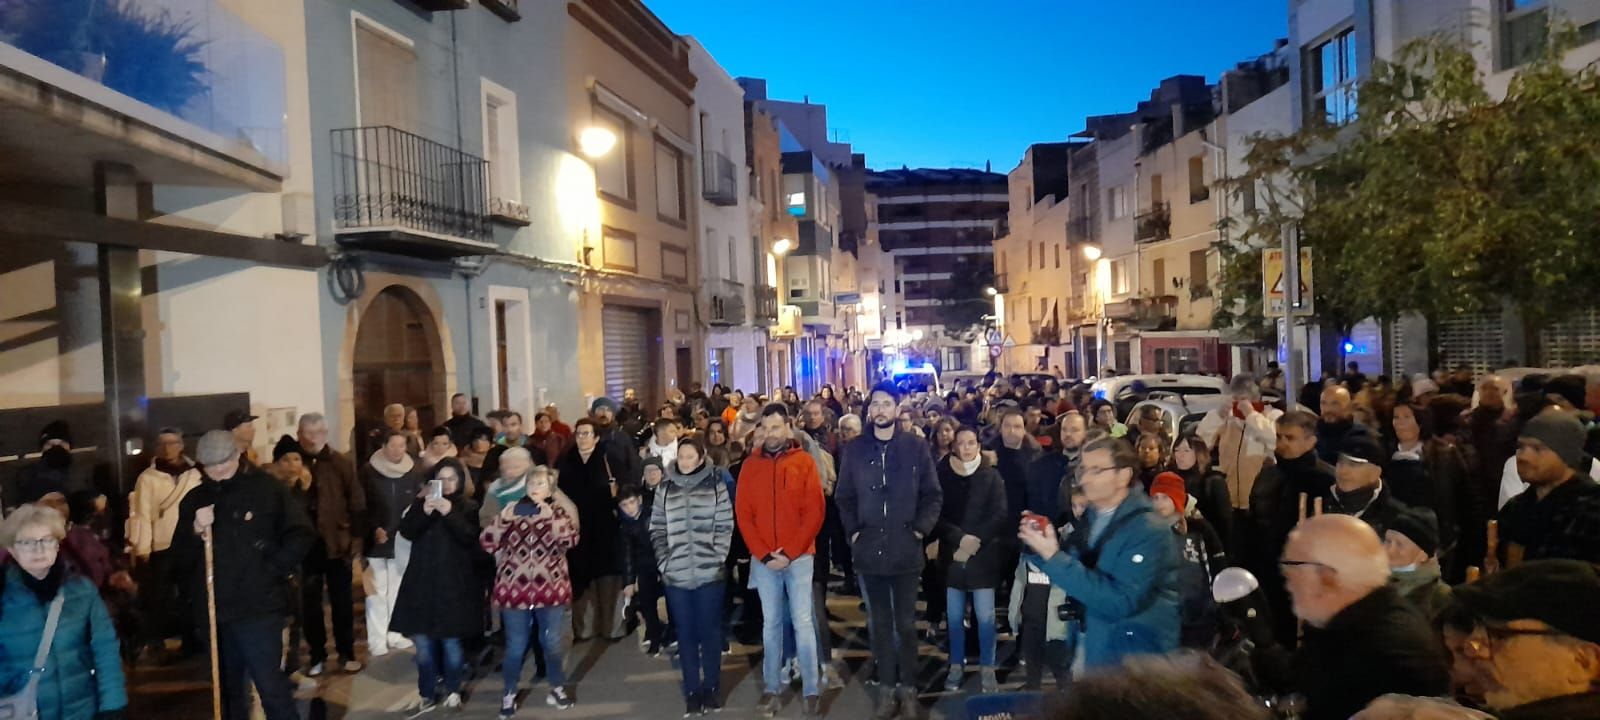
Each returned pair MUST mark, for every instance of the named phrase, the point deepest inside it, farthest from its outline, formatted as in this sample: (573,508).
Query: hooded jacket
(1243,447)
(153,508)
(1124,579)
(691,526)
(779,506)
(889,499)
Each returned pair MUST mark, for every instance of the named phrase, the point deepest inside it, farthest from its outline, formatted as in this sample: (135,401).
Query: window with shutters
(670,203)
(500,144)
(386,78)
(621,250)
(674,263)
(613,171)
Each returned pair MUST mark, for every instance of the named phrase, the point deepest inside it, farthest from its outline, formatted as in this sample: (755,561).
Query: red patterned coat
(530,557)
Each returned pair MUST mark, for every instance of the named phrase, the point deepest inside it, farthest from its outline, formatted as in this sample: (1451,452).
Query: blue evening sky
(942,83)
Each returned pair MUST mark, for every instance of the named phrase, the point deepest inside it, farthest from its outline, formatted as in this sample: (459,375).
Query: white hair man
(1362,639)
(341,505)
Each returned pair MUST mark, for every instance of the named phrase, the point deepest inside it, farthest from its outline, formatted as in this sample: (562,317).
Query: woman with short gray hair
(44,608)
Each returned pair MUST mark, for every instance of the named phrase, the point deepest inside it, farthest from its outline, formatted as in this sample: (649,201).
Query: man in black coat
(1050,475)
(260,534)
(621,452)
(1358,487)
(1281,493)
(462,422)
(889,500)
(1362,639)
(1338,420)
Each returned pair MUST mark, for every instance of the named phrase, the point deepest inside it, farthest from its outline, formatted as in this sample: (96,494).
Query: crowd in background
(1318,556)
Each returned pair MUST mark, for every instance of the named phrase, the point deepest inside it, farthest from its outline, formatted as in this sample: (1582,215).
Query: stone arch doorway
(395,352)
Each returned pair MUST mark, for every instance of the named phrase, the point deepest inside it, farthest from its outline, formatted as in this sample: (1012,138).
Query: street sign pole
(1291,302)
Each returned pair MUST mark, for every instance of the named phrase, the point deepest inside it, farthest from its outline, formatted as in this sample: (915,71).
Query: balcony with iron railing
(1153,225)
(442,5)
(724,302)
(402,193)
(508,10)
(720,177)
(766,311)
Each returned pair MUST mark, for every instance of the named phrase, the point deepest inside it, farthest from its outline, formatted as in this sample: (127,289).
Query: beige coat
(1243,447)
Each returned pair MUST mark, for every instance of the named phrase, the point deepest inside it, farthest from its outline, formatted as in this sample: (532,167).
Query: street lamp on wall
(1092,251)
(990,291)
(595,141)
(782,246)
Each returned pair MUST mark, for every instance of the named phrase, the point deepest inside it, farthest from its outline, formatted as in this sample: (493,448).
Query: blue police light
(1349,347)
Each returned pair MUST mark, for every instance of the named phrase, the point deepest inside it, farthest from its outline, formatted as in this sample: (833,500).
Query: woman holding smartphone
(530,539)
(441,598)
(691,529)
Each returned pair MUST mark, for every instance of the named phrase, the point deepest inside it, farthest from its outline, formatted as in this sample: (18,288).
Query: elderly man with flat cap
(1532,645)
(259,536)
(1362,639)
(1558,516)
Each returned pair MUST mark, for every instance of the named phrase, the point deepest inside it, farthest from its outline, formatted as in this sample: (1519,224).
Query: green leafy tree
(1437,198)
(967,302)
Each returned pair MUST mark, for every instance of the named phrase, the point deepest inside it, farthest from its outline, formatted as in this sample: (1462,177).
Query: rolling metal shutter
(1475,340)
(628,352)
(1574,341)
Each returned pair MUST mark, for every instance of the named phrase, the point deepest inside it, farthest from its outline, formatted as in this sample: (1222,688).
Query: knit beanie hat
(604,402)
(1171,485)
(1559,431)
(286,445)
(56,430)
(1420,526)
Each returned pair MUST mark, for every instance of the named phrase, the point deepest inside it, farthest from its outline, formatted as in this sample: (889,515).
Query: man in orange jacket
(779,510)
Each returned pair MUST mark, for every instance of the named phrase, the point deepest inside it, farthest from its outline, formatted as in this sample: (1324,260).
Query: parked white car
(1196,393)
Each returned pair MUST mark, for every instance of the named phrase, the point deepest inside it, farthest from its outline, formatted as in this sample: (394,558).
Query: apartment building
(1034,263)
(939,225)
(1332,47)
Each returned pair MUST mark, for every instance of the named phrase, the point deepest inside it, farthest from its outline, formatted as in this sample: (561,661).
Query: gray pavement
(608,680)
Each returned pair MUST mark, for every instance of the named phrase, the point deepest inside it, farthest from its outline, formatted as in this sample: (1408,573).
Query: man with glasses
(889,500)
(1529,640)
(1362,639)
(1558,516)
(1116,569)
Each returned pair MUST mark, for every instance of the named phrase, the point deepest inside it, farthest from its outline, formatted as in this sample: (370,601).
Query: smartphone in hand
(526,509)
(435,489)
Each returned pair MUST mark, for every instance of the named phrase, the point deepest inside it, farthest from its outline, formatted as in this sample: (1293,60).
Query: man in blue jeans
(889,500)
(779,511)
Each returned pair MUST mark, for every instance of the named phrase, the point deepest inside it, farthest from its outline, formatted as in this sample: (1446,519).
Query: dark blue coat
(889,493)
(1048,479)
(1129,597)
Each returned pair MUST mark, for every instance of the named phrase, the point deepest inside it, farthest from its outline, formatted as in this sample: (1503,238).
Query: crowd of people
(1420,550)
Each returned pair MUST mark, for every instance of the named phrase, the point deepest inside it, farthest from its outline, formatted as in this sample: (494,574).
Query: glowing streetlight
(990,291)
(782,246)
(1091,251)
(596,141)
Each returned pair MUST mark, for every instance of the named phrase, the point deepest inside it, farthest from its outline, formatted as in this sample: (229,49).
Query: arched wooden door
(398,359)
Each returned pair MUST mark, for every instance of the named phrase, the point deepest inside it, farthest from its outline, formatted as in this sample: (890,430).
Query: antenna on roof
(987,167)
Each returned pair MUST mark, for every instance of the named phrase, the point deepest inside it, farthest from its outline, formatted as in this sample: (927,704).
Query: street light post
(1291,302)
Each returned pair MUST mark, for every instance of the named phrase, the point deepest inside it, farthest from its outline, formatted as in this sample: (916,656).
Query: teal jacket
(83,673)
(1129,597)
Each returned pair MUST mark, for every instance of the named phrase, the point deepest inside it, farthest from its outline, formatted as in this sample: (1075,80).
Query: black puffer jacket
(972,505)
(443,591)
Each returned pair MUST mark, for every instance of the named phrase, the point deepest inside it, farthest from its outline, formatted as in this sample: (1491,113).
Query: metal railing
(766,304)
(1154,224)
(724,302)
(720,177)
(385,177)
(506,9)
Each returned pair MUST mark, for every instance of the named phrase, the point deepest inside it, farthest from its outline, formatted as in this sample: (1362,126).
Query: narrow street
(609,680)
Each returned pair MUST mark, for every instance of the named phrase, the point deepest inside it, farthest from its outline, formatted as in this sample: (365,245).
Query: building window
(500,141)
(1330,70)
(670,203)
(613,172)
(1030,256)
(1119,277)
(1158,190)
(1198,191)
(1117,203)
(674,263)
(1058,257)
(620,249)
(1199,279)
(733,259)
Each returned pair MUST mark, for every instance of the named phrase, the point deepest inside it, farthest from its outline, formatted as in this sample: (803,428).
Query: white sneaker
(377,651)
(453,701)
(399,642)
(314,670)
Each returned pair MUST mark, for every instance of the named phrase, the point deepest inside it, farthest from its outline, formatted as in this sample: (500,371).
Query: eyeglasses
(1286,564)
(48,544)
(1086,471)
(1485,637)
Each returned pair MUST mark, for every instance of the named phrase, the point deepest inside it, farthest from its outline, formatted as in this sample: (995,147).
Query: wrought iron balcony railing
(385,178)
(766,305)
(721,178)
(1153,225)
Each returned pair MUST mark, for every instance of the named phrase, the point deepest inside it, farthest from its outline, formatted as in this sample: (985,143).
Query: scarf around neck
(964,468)
(390,469)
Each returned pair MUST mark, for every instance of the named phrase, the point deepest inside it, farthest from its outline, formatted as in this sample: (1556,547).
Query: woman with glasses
(441,598)
(82,678)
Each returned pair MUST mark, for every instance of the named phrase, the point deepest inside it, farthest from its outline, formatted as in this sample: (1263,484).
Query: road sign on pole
(1286,287)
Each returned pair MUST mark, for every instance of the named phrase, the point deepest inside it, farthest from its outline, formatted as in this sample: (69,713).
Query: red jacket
(778,504)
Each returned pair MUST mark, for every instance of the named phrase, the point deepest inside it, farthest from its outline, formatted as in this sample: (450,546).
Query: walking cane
(1491,559)
(211,613)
